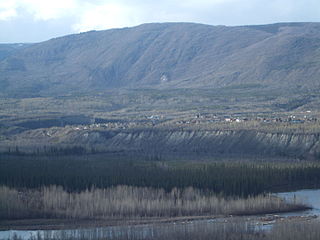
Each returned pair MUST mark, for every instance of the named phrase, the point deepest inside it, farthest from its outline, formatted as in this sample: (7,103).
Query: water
(22,234)
(310,197)
(141,232)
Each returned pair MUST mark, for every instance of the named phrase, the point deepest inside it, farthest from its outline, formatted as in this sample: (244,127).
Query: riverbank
(125,203)
(254,227)
(64,224)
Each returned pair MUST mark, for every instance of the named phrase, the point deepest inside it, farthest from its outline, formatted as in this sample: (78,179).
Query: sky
(40,20)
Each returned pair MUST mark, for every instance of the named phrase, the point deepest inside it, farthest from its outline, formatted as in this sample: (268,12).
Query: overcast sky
(39,20)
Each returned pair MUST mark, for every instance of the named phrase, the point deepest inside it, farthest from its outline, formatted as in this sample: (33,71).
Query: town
(199,119)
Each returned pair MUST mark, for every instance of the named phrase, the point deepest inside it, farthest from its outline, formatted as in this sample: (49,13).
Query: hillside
(168,55)
(9,49)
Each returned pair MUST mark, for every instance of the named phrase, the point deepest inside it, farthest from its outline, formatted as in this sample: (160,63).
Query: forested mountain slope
(167,55)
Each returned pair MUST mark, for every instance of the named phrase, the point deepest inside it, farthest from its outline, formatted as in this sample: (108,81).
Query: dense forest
(100,187)
(226,178)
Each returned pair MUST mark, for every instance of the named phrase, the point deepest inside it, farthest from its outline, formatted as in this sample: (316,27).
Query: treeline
(125,202)
(47,151)
(225,178)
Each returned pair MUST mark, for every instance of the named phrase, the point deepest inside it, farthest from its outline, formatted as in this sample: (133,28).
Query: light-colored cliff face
(178,142)
(218,142)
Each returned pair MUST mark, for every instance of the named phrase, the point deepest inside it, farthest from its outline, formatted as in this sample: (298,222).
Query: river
(310,197)
(307,196)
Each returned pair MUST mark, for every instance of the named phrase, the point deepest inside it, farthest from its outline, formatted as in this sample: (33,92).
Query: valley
(161,125)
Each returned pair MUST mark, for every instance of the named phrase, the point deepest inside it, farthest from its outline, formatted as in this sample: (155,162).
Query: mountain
(9,49)
(167,55)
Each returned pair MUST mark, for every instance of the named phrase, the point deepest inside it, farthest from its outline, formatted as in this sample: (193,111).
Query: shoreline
(64,224)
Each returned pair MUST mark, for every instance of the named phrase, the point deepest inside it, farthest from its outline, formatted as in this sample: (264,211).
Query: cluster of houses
(198,119)
(112,125)
(289,119)
(207,119)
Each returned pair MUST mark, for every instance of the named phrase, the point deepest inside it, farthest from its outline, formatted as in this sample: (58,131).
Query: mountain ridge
(167,55)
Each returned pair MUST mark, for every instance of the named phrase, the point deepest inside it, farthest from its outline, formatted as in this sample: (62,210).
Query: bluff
(172,143)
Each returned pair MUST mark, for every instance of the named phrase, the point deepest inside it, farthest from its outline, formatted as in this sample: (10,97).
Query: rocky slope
(174,142)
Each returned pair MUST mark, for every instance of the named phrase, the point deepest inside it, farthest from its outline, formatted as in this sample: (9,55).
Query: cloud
(38,9)
(7,10)
(46,10)
(83,15)
(6,14)
(108,15)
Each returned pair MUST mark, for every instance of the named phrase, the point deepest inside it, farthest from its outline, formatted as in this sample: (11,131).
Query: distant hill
(9,49)
(166,55)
